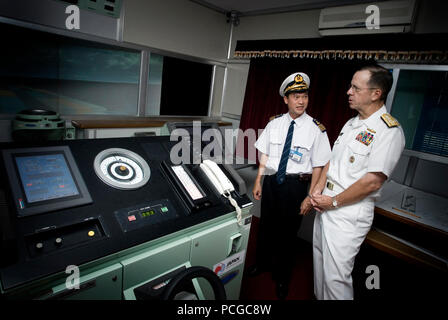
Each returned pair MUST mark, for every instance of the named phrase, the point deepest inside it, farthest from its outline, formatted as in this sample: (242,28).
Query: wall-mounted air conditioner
(394,17)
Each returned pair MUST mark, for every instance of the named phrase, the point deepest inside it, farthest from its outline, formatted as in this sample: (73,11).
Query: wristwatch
(334,202)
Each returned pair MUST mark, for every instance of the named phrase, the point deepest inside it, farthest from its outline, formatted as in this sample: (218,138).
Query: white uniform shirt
(363,146)
(308,140)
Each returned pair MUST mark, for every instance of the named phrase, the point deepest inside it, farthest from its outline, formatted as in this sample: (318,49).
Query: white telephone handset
(221,183)
(219,180)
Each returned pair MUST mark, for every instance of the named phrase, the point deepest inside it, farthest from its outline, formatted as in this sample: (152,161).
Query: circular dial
(121,168)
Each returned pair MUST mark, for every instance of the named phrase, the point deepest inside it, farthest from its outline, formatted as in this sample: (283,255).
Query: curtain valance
(395,48)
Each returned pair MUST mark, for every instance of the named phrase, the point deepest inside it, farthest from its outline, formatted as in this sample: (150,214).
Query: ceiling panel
(256,7)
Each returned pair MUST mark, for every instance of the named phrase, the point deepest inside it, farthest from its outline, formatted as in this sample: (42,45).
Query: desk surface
(431,211)
(417,236)
(137,122)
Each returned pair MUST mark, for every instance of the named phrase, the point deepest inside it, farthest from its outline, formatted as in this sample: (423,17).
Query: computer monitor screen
(44,179)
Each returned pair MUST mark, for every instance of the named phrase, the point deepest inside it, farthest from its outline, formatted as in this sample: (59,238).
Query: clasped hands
(316,201)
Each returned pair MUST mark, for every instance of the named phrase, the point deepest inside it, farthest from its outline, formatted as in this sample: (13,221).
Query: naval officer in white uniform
(363,157)
(294,148)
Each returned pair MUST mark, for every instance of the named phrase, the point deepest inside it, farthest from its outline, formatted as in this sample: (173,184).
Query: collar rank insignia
(389,120)
(320,125)
(365,137)
(275,117)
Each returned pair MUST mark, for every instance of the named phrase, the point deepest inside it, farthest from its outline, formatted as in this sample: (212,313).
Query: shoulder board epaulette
(320,125)
(389,120)
(275,117)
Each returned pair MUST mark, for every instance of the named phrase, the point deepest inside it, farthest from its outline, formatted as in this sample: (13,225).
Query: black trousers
(279,223)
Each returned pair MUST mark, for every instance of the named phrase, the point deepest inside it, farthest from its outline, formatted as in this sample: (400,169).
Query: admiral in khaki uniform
(363,157)
(294,148)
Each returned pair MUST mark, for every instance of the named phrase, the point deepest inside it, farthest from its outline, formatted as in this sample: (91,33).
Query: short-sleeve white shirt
(308,139)
(368,145)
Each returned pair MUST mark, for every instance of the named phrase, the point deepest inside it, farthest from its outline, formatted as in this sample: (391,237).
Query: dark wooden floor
(262,287)
(399,279)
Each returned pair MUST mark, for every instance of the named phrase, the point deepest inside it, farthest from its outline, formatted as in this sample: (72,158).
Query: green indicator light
(164,209)
(147,213)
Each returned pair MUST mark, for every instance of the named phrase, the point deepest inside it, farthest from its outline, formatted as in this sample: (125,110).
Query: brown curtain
(328,102)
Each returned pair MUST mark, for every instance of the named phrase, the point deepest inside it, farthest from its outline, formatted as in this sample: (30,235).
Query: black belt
(298,176)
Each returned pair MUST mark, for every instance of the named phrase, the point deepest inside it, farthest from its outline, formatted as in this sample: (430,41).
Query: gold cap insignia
(298,78)
(298,84)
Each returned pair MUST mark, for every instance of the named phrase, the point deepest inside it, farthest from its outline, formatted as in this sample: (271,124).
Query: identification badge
(295,155)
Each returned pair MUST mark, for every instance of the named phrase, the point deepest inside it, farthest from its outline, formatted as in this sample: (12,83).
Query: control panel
(74,202)
(146,214)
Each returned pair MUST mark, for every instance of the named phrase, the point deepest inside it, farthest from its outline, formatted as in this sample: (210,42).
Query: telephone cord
(235,205)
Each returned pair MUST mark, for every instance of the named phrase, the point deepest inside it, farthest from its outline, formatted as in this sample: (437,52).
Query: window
(154,87)
(40,70)
(45,71)
(185,87)
(421,106)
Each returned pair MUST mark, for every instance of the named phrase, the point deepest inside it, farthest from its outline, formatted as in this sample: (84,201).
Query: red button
(131,218)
